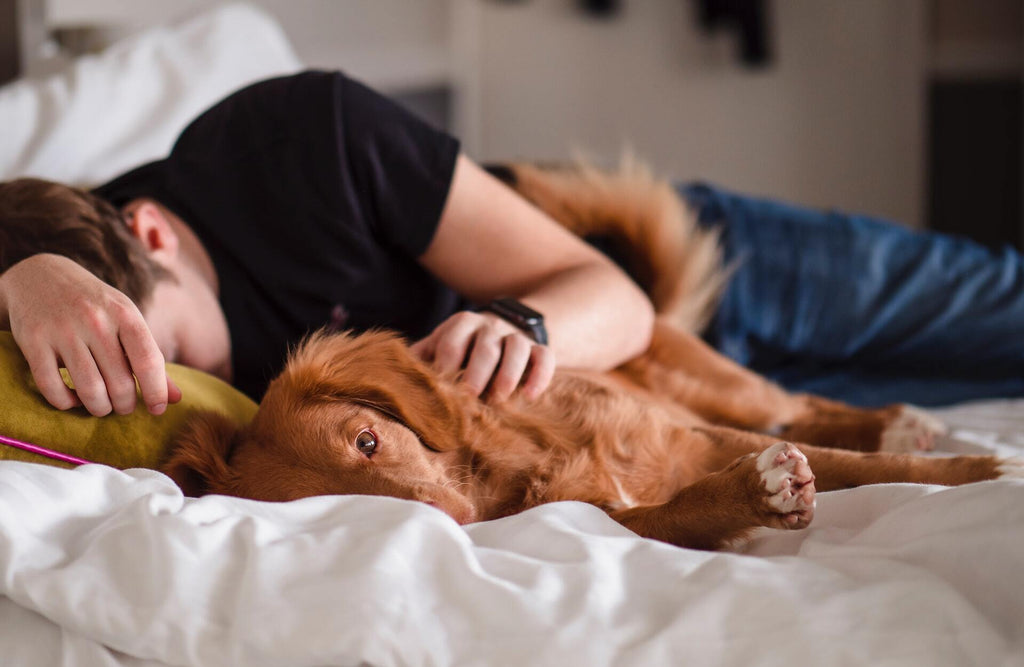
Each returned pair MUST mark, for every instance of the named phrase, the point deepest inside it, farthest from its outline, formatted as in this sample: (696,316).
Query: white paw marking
(1012,468)
(913,431)
(777,466)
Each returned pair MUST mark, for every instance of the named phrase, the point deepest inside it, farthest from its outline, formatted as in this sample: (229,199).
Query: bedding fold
(120,566)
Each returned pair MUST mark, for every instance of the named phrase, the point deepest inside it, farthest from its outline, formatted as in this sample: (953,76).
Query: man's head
(143,250)
(38,216)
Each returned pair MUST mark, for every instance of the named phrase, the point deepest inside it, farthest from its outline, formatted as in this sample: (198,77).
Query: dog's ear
(378,370)
(198,458)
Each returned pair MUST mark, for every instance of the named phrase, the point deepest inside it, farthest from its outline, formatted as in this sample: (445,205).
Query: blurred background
(904,109)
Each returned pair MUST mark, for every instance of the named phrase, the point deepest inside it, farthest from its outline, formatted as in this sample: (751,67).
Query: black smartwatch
(524,317)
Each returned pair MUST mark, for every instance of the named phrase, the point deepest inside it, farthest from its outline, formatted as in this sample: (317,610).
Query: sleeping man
(310,200)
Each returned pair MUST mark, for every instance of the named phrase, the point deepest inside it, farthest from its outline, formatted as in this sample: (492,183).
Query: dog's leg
(893,429)
(772,488)
(682,368)
(840,469)
(764,482)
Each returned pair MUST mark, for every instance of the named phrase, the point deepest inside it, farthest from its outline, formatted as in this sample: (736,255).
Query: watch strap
(520,315)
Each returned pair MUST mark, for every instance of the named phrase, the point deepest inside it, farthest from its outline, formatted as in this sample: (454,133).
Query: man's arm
(62,315)
(490,243)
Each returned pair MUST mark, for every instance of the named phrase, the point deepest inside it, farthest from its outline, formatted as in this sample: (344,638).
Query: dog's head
(348,415)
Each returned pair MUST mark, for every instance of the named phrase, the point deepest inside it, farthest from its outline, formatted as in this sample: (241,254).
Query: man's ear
(147,222)
(198,458)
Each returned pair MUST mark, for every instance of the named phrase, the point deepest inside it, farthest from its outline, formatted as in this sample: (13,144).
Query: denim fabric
(862,310)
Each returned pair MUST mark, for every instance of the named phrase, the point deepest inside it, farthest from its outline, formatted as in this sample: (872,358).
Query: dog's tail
(640,222)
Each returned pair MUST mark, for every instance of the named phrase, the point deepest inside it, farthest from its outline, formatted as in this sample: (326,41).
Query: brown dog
(671,444)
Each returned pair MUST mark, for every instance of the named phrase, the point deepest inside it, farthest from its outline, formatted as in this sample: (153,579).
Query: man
(301,202)
(310,200)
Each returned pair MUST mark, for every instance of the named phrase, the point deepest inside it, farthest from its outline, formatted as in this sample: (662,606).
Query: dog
(680,444)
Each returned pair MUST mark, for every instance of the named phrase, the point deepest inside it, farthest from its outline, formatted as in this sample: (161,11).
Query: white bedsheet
(100,567)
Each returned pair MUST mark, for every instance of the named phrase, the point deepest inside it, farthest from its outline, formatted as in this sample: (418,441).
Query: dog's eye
(366,442)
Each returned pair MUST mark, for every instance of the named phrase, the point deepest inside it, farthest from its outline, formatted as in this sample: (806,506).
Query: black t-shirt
(313,195)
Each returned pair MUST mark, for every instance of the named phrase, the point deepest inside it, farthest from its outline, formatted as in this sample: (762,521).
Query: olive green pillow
(138,440)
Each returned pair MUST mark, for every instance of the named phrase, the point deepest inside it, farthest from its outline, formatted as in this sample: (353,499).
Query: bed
(101,566)
(104,567)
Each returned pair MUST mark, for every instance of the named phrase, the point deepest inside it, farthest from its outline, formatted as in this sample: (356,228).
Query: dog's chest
(586,480)
(591,441)
(624,500)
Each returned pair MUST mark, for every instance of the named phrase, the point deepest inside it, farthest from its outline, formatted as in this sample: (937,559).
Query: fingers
(423,349)
(173,393)
(103,380)
(147,363)
(43,364)
(515,355)
(60,314)
(542,371)
(496,357)
(103,360)
(103,377)
(453,340)
(483,360)
(122,351)
(86,376)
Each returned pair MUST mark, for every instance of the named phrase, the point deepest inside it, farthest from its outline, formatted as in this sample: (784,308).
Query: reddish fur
(675,261)
(663,443)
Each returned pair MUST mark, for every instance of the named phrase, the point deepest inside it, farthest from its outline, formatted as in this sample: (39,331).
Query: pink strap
(42,451)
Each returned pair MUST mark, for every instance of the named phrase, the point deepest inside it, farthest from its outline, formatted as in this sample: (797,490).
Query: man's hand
(494,353)
(61,315)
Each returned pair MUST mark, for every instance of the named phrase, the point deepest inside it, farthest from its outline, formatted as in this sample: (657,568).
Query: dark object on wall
(601,8)
(432,104)
(975,165)
(749,18)
(23,36)
(10,51)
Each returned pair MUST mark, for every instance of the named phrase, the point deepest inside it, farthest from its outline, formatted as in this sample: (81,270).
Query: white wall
(392,43)
(837,121)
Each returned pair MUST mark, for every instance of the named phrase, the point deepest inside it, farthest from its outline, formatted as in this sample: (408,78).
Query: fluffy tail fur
(642,223)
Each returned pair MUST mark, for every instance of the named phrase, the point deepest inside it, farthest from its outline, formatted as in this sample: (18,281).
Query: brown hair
(38,216)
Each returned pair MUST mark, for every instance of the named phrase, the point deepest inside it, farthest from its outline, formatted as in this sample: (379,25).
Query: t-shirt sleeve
(401,167)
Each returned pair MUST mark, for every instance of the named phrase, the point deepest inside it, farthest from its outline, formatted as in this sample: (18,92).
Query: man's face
(187,323)
(183,312)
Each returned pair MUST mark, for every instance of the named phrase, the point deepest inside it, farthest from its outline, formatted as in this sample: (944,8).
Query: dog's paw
(911,430)
(1011,468)
(789,485)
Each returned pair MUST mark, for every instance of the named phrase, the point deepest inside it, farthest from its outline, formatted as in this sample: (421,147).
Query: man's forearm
(596,318)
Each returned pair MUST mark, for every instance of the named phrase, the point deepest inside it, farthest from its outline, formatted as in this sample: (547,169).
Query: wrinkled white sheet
(101,567)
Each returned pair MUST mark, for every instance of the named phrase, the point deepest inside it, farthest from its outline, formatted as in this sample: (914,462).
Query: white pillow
(110,112)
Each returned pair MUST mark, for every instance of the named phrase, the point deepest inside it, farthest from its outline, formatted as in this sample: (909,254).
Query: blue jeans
(861,310)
